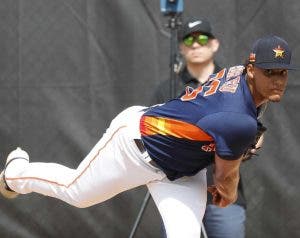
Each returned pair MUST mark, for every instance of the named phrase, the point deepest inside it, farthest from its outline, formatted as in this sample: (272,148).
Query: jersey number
(212,88)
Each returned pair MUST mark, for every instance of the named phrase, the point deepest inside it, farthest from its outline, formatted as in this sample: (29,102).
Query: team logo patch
(279,52)
(209,148)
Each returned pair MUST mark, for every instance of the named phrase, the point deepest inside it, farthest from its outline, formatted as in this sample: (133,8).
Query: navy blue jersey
(183,135)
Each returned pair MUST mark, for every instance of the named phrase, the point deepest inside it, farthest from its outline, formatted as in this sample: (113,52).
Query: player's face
(198,48)
(269,84)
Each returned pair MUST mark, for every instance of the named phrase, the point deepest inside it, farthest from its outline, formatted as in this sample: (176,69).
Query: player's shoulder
(229,79)
(227,74)
(229,120)
(234,71)
(233,129)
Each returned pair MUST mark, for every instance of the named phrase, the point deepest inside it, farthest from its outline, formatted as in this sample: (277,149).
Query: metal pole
(139,216)
(203,231)
(173,55)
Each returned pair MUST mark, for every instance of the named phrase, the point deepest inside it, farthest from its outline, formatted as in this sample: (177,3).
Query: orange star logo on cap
(278,52)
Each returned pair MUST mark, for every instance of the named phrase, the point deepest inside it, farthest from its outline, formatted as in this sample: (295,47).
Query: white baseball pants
(115,165)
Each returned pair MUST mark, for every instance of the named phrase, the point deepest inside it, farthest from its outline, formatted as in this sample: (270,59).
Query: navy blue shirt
(183,135)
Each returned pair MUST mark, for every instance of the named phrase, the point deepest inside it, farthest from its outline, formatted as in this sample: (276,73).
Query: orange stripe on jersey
(171,127)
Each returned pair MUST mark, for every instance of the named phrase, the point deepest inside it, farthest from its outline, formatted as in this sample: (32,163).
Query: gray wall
(68,67)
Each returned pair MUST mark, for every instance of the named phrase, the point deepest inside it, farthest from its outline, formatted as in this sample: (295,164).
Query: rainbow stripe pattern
(150,125)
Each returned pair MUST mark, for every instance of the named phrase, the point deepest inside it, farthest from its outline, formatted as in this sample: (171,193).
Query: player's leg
(225,222)
(181,204)
(111,167)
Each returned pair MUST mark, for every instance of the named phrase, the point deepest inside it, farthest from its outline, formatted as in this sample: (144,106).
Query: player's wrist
(227,187)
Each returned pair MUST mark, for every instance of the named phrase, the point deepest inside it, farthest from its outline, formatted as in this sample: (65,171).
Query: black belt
(140,145)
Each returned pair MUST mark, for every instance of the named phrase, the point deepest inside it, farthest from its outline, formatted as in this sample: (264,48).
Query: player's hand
(219,198)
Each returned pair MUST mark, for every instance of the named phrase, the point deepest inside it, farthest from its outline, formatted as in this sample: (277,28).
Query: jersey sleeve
(232,132)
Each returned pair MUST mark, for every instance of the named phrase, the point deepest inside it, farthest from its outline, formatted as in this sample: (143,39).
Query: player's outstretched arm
(226,178)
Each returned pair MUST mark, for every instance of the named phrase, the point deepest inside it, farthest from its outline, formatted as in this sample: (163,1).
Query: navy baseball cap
(193,25)
(271,52)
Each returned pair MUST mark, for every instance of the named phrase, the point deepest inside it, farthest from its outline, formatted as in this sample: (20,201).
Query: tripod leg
(140,214)
(203,231)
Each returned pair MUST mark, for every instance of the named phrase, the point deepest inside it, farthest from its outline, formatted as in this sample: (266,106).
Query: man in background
(198,46)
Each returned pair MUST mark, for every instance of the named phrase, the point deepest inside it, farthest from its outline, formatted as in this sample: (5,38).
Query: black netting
(68,67)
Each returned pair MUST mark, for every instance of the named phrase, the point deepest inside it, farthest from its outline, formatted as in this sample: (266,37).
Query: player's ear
(215,45)
(250,71)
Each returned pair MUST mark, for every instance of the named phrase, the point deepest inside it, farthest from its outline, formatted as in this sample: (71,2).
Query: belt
(140,145)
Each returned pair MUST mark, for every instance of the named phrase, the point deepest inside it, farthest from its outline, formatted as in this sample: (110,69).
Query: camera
(171,7)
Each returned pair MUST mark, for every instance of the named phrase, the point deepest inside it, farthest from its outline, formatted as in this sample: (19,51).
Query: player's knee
(78,201)
(80,204)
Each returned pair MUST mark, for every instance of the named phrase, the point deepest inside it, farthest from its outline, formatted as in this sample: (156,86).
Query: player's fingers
(212,189)
(216,197)
(224,203)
